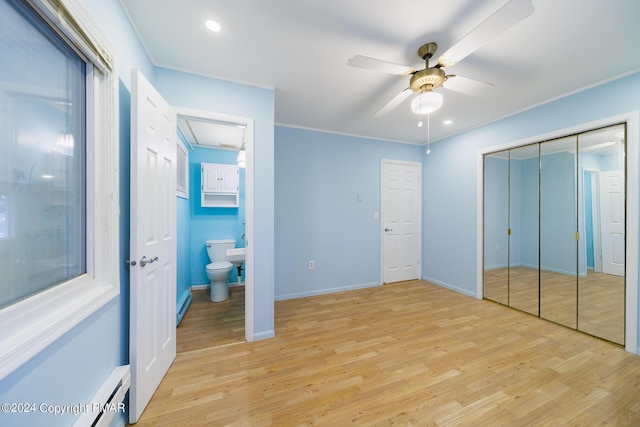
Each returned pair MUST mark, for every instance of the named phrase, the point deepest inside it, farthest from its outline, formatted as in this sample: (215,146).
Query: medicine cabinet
(219,185)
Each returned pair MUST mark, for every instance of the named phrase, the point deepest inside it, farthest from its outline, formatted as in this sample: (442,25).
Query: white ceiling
(300,48)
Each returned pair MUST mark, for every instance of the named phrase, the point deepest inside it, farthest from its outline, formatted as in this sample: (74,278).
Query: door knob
(388,229)
(144,261)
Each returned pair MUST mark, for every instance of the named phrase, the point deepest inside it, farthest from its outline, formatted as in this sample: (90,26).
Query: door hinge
(577,235)
(508,232)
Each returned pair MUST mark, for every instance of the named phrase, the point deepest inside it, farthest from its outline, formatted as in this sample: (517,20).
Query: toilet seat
(220,266)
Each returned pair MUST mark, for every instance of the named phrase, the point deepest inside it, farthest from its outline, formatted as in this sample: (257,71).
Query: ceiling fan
(427,80)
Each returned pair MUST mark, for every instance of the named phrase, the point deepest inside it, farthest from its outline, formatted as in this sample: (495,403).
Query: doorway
(240,303)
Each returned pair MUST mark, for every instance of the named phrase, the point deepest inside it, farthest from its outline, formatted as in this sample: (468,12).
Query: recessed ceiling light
(448,122)
(213,26)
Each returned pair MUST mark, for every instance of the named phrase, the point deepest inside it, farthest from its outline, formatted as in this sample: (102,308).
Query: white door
(612,197)
(401,207)
(152,344)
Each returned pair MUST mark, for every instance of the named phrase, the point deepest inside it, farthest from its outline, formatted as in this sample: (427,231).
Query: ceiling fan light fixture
(213,26)
(426,103)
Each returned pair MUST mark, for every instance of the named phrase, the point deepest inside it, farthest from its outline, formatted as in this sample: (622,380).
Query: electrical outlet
(497,247)
(312,265)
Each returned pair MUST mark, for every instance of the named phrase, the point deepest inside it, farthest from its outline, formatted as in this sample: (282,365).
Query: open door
(152,342)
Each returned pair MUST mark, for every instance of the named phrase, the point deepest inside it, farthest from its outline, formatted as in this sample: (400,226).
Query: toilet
(219,269)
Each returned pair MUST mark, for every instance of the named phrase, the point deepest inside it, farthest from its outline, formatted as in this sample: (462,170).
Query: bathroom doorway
(206,324)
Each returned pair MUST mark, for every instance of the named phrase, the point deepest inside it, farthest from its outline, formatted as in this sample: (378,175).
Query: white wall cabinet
(219,185)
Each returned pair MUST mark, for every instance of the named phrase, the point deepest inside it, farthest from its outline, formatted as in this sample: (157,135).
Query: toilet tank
(217,249)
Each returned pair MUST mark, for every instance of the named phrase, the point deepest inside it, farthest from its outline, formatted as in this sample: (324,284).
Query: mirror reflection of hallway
(554,230)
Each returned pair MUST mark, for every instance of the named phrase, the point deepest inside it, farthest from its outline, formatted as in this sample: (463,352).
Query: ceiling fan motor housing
(428,79)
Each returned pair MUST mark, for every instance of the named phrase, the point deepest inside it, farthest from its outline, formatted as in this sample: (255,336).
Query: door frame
(384,162)
(249,204)
(595,217)
(632,120)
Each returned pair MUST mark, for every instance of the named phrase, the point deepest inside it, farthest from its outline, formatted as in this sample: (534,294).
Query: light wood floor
(210,324)
(594,303)
(412,354)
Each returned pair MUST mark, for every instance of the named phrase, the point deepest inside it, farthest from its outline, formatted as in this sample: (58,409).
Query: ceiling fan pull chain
(428,134)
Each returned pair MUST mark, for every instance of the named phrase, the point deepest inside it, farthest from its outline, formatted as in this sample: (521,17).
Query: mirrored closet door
(523,229)
(554,224)
(558,227)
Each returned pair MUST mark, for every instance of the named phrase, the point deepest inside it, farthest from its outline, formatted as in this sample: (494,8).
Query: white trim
(69,18)
(419,168)
(29,326)
(352,135)
(182,192)
(632,119)
(249,207)
(631,237)
(296,295)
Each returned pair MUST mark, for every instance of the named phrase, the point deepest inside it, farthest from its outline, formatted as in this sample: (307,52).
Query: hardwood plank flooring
(410,353)
(211,324)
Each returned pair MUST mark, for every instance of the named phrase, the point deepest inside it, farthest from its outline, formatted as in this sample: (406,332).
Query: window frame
(29,326)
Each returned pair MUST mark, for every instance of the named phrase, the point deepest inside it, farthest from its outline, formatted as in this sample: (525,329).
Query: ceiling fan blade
(360,61)
(504,18)
(466,85)
(397,100)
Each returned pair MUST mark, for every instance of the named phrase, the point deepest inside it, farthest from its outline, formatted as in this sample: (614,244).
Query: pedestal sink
(236,257)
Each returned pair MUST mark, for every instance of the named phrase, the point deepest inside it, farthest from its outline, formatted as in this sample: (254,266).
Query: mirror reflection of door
(601,282)
(558,207)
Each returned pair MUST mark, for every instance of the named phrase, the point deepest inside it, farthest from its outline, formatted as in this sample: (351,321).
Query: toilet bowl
(219,269)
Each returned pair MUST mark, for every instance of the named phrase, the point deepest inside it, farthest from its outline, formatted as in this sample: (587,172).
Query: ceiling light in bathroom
(242,158)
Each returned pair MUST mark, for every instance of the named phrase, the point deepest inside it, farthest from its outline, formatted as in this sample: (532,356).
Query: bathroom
(208,142)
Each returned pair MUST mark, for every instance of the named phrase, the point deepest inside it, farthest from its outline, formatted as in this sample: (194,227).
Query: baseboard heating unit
(108,401)
(183,304)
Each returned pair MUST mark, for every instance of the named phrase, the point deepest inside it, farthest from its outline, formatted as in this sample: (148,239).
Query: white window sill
(28,327)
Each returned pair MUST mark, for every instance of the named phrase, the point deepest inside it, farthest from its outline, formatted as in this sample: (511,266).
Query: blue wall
(496,212)
(558,248)
(212,223)
(327,190)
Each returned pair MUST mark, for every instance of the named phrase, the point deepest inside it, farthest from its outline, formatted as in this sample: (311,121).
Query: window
(58,175)
(42,171)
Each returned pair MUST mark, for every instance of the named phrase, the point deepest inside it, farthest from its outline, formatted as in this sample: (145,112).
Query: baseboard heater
(108,402)
(183,304)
